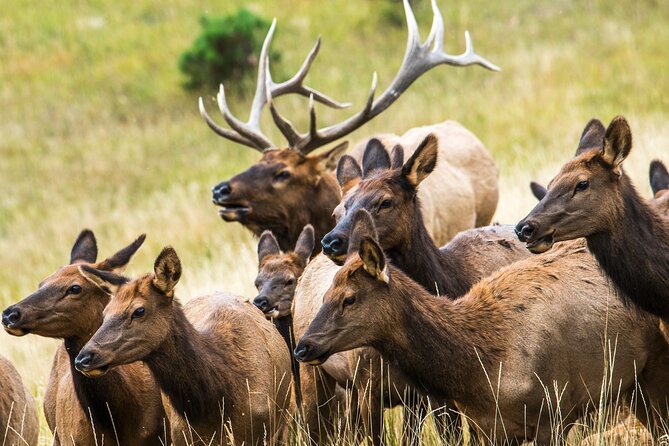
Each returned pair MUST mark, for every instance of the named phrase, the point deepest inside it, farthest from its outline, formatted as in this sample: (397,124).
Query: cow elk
(502,351)
(289,187)
(224,369)
(19,425)
(125,405)
(593,197)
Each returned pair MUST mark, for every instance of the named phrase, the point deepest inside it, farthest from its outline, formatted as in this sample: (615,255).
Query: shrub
(227,49)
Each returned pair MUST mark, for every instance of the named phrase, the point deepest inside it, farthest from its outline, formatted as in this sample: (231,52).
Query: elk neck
(634,251)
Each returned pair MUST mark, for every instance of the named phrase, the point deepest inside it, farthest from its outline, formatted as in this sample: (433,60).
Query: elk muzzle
(310,353)
(231,210)
(335,247)
(536,241)
(11,320)
(90,363)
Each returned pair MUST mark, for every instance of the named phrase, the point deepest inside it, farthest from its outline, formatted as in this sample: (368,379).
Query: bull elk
(224,369)
(290,188)
(593,197)
(19,425)
(536,327)
(125,405)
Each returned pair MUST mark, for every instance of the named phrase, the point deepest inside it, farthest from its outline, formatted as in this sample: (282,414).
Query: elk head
(137,319)
(579,200)
(278,272)
(287,188)
(387,191)
(348,317)
(67,304)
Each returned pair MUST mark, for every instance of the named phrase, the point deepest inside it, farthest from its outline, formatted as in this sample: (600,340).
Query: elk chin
(95,373)
(232,213)
(16,331)
(541,244)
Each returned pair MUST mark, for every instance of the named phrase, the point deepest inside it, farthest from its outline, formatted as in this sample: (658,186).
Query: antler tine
(225,133)
(246,129)
(436,36)
(285,126)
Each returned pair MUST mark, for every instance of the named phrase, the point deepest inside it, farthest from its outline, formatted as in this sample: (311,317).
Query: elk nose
(260,302)
(301,351)
(10,316)
(333,245)
(524,231)
(221,191)
(83,360)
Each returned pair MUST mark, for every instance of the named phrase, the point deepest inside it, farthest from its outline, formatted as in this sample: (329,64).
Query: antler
(418,59)
(249,133)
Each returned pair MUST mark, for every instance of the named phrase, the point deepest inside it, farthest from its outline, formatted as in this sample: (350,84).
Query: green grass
(95,130)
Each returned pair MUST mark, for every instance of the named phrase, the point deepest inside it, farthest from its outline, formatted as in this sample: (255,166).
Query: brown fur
(220,364)
(19,425)
(546,328)
(78,408)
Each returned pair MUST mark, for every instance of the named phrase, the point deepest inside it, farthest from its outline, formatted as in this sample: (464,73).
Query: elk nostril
(260,302)
(525,231)
(10,316)
(301,351)
(83,360)
(332,245)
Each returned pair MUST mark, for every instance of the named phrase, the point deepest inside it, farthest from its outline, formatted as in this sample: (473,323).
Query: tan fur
(19,425)
(462,192)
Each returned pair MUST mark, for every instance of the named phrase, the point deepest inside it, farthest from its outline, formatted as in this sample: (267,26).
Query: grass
(96,132)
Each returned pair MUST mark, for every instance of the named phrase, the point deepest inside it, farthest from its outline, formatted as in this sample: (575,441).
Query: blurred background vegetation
(96,130)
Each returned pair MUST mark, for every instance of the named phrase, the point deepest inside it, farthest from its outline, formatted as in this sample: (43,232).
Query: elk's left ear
(305,244)
(538,190)
(374,158)
(85,248)
(396,157)
(267,246)
(107,281)
(617,143)
(373,260)
(167,271)
(422,162)
(119,261)
(328,160)
(348,173)
(659,177)
(592,136)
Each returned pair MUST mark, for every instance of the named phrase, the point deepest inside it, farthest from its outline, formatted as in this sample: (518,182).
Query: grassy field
(95,130)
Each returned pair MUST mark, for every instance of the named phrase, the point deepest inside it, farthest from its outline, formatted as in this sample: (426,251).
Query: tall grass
(96,132)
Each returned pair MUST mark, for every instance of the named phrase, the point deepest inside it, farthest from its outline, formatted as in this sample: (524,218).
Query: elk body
(18,414)
(290,187)
(593,197)
(224,369)
(502,351)
(125,405)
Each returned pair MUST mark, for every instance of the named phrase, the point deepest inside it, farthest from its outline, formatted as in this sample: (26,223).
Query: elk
(125,405)
(535,327)
(593,197)
(18,415)
(271,194)
(224,369)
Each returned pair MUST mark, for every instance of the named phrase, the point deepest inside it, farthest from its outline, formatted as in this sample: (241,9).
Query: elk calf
(536,325)
(18,414)
(125,405)
(224,369)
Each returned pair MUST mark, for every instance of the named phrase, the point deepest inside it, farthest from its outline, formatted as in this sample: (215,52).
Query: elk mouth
(541,244)
(16,331)
(95,373)
(232,211)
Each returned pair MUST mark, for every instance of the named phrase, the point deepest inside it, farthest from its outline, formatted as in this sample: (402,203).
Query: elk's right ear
(592,136)
(422,162)
(373,260)
(305,244)
(107,281)
(362,226)
(85,248)
(375,158)
(167,271)
(538,190)
(328,160)
(617,143)
(267,246)
(659,177)
(348,173)
(397,157)
(119,261)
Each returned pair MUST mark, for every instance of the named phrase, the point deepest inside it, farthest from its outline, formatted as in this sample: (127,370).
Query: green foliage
(227,49)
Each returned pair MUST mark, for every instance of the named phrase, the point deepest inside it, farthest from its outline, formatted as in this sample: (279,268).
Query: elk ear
(85,248)
(119,261)
(328,160)
(267,246)
(397,157)
(659,177)
(348,173)
(305,244)
(167,270)
(422,162)
(617,143)
(592,136)
(538,190)
(361,226)
(106,280)
(375,158)
(373,260)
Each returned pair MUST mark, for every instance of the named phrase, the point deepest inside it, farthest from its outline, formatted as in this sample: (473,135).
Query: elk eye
(582,185)
(282,176)
(385,204)
(348,301)
(139,312)
(74,289)
(290,281)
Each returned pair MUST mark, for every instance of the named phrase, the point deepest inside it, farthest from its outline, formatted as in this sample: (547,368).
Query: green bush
(227,49)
